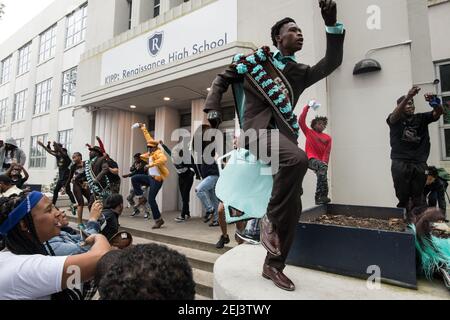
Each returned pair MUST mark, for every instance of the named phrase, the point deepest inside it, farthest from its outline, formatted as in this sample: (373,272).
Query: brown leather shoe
(269,237)
(278,278)
(158,223)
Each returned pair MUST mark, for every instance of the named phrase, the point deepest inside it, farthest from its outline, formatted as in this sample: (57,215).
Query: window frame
(48,45)
(24,66)
(3,111)
(38,156)
(76,25)
(19,109)
(442,125)
(67,143)
(72,87)
(37,109)
(5,79)
(156,7)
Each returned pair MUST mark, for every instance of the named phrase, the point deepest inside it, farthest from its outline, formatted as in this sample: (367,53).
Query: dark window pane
(446,110)
(185,120)
(445,77)
(447,143)
(156,12)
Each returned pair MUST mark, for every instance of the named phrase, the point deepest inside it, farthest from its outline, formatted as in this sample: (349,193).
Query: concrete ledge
(237,276)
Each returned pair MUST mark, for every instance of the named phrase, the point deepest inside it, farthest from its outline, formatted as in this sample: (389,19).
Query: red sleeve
(326,154)
(101,145)
(302,120)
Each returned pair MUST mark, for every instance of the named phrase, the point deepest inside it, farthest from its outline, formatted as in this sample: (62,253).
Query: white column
(167,120)
(198,118)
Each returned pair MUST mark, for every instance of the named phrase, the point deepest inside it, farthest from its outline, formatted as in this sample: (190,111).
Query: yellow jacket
(155,159)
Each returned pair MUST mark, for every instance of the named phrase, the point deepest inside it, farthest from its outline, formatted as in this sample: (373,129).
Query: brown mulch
(398,225)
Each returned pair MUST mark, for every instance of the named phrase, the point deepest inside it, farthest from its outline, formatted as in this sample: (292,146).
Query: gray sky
(18,13)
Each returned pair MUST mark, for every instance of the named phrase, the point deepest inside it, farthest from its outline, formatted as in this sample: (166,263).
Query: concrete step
(177,241)
(170,239)
(198,259)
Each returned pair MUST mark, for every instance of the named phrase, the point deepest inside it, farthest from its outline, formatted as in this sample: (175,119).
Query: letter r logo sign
(154,43)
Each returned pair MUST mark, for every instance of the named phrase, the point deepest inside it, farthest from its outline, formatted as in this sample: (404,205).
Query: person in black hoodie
(186,172)
(209,172)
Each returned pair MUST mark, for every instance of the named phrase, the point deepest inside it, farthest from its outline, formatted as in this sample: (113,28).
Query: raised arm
(335,45)
(398,112)
(219,86)
(25,172)
(86,262)
(302,120)
(53,153)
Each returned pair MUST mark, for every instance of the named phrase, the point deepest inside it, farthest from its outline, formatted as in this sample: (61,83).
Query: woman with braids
(27,272)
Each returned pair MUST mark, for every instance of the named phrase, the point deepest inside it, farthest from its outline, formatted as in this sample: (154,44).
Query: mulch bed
(398,225)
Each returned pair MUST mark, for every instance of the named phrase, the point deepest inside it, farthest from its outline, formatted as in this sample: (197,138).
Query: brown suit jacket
(258,113)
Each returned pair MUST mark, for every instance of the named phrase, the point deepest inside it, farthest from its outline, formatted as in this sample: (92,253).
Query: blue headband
(20,212)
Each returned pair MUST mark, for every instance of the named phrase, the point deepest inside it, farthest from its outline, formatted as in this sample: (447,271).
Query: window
(38,156)
(43,96)
(47,45)
(185,119)
(76,26)
(65,138)
(69,86)
(3,110)
(24,59)
(156,8)
(19,143)
(20,100)
(130,12)
(5,70)
(443,71)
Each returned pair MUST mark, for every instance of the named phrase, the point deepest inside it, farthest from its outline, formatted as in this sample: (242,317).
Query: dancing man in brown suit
(272,83)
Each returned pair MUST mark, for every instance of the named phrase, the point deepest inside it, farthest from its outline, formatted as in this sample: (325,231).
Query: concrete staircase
(201,257)
(201,254)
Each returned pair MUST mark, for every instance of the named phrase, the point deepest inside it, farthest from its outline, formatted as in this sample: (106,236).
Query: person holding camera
(410,144)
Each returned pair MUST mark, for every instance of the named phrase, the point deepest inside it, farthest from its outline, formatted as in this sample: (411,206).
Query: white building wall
(57,118)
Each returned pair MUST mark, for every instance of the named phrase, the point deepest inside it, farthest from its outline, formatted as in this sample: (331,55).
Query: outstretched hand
(413,92)
(329,12)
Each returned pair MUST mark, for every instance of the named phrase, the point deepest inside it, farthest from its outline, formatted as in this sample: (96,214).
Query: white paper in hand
(136,126)
(314,105)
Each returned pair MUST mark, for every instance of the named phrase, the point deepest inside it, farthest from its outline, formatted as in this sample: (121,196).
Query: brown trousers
(285,205)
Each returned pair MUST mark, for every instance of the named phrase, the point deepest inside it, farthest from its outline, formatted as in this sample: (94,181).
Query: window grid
(43,96)
(69,86)
(24,59)
(76,26)
(47,47)
(5,70)
(443,71)
(3,110)
(65,138)
(19,143)
(156,8)
(20,99)
(38,156)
